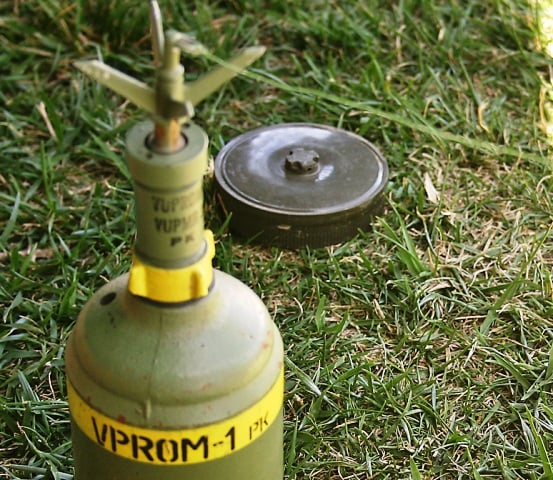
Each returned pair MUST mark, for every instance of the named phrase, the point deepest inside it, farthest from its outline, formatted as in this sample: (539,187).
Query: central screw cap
(302,161)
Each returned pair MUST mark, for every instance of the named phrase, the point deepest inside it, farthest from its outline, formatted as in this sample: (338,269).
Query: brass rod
(167,137)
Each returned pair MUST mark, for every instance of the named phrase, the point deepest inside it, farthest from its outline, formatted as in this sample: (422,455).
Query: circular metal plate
(300,184)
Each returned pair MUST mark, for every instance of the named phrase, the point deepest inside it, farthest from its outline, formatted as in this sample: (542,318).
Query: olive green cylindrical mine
(191,392)
(174,371)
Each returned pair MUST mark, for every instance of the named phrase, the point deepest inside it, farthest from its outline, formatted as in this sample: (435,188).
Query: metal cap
(300,184)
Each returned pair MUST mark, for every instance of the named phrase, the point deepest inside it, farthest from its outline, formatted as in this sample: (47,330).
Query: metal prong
(186,43)
(199,89)
(156,27)
(130,88)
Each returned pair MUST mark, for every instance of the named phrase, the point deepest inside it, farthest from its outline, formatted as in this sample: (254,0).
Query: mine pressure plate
(300,184)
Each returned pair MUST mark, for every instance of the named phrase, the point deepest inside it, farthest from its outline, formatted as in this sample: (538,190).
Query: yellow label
(177,447)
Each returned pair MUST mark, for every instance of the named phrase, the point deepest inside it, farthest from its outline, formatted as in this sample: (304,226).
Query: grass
(421,349)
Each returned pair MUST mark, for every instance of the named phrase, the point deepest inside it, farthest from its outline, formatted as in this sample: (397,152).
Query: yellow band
(181,446)
(175,284)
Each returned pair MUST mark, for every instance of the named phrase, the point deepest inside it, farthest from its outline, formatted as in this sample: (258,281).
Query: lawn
(420,349)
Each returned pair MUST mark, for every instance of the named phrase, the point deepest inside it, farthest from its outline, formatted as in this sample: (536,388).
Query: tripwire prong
(156,26)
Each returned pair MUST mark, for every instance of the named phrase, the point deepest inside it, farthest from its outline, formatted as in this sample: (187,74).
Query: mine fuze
(174,370)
